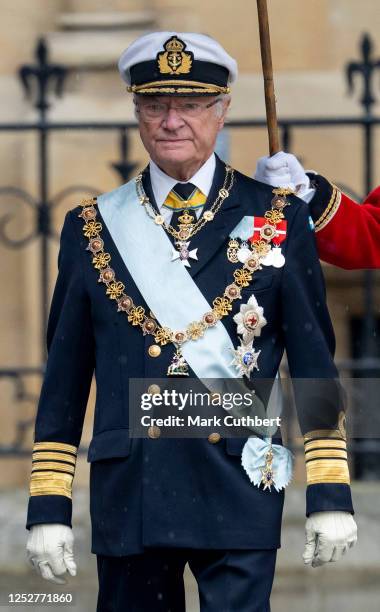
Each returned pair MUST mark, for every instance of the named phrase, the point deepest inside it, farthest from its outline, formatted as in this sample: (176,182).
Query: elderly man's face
(178,139)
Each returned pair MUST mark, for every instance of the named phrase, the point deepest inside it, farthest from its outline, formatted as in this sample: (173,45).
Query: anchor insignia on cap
(174,60)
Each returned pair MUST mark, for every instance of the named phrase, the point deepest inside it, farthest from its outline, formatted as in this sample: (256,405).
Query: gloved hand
(328,536)
(283,170)
(50,551)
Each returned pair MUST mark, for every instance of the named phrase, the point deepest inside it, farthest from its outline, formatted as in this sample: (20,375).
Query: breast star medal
(250,319)
(245,358)
(184,254)
(267,474)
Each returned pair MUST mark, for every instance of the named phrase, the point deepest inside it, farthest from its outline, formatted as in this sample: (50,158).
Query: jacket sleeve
(348,234)
(310,345)
(65,388)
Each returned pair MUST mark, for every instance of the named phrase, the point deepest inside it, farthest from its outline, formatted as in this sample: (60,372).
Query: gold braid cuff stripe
(51,483)
(177,86)
(330,210)
(320,471)
(41,466)
(326,453)
(325,443)
(326,456)
(46,456)
(222,305)
(55,446)
(53,468)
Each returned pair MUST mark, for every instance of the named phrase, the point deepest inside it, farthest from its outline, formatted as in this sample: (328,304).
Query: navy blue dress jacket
(179,492)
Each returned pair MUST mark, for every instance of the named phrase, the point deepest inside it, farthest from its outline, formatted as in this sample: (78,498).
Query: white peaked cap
(177,63)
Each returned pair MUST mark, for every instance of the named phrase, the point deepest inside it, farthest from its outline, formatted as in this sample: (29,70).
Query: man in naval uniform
(175,272)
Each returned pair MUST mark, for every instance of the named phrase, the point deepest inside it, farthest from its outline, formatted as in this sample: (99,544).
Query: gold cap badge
(174,60)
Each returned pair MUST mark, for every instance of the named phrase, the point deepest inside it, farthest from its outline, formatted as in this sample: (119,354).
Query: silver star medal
(183,253)
(274,258)
(245,358)
(250,320)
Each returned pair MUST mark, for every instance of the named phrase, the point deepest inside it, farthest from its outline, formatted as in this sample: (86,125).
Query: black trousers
(228,581)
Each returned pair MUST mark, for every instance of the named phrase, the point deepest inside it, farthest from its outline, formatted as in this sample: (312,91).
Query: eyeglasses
(157,110)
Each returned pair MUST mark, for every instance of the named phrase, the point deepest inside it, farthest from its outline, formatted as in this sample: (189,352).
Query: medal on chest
(182,250)
(249,320)
(245,358)
(183,253)
(273,233)
(178,365)
(274,258)
(260,237)
(267,473)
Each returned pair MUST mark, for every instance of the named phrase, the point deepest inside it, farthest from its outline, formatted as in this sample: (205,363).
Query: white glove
(328,536)
(50,551)
(284,170)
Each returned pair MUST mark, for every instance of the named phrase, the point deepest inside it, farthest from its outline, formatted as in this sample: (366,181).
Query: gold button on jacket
(153,389)
(154,432)
(214,438)
(154,350)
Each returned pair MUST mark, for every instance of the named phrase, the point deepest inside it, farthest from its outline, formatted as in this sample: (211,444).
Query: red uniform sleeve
(348,234)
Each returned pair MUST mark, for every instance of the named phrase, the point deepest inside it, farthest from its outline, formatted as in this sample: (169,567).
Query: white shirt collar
(162,183)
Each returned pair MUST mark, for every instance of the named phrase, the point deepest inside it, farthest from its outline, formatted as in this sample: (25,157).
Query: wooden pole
(266,60)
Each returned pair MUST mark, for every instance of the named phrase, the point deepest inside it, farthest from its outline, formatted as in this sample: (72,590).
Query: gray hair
(223,99)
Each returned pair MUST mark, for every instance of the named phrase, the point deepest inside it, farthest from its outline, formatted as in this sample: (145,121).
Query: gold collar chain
(187,229)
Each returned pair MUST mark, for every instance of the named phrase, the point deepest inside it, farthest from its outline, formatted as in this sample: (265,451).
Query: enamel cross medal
(184,254)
